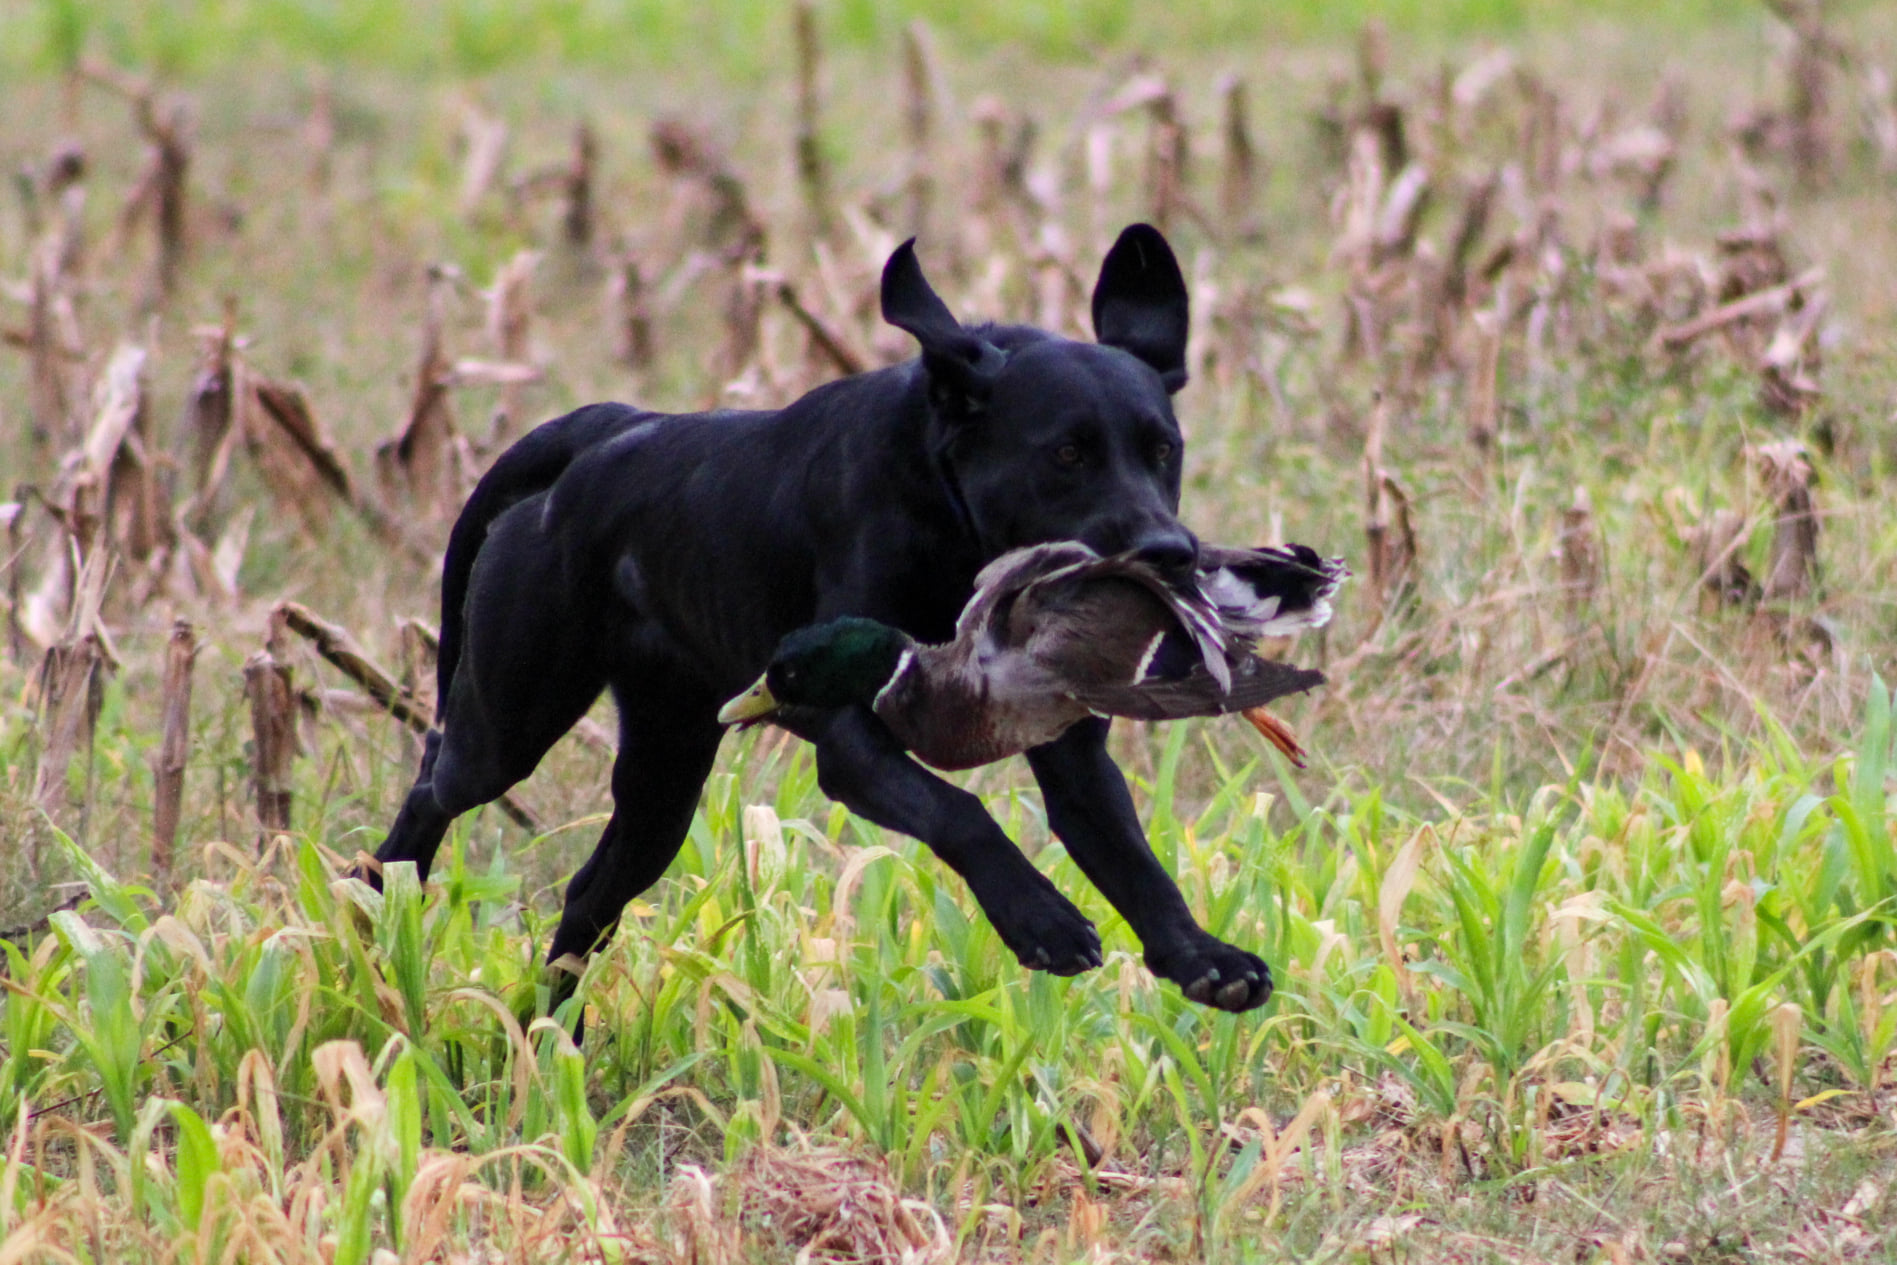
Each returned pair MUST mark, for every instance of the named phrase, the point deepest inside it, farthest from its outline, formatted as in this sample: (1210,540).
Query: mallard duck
(1055,633)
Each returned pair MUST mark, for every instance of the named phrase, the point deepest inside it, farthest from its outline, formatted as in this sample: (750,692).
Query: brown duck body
(1056,633)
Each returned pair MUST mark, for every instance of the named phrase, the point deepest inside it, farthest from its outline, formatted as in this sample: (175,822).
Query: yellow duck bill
(753,705)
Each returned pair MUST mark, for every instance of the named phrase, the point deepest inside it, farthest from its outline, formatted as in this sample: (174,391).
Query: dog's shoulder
(879,395)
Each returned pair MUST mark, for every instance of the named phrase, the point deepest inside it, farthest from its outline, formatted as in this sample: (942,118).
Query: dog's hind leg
(480,751)
(862,766)
(474,763)
(1089,808)
(666,749)
(529,670)
(421,823)
(495,733)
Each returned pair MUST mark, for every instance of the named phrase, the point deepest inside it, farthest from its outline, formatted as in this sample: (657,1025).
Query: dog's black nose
(1170,548)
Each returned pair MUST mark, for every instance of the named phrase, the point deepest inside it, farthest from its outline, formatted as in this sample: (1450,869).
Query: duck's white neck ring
(902,665)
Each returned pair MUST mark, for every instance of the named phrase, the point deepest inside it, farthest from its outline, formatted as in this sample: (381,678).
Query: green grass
(1572,995)
(479,37)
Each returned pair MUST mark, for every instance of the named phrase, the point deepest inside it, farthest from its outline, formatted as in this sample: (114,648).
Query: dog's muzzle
(1172,548)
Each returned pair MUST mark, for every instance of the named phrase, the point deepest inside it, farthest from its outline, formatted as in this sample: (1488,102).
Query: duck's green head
(833,664)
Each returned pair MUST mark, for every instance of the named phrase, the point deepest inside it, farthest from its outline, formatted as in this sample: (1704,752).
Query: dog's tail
(529,467)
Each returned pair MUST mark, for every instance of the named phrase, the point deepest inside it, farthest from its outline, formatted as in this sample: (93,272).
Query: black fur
(663,557)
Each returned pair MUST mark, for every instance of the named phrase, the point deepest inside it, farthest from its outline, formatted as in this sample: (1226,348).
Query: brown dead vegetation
(1487,228)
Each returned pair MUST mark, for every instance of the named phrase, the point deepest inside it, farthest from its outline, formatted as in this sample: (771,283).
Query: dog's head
(1041,438)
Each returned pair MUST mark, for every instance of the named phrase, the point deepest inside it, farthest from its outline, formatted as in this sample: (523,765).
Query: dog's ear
(1140,304)
(956,360)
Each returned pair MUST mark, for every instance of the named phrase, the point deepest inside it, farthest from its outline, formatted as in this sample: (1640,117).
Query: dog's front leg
(860,765)
(1089,807)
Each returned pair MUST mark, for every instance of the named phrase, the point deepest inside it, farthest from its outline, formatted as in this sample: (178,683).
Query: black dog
(663,556)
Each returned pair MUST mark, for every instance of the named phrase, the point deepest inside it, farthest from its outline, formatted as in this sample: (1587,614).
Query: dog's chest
(926,603)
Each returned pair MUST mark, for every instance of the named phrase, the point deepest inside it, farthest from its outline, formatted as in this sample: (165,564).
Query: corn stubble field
(1582,918)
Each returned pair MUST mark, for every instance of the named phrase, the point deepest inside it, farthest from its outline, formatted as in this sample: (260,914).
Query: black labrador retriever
(663,556)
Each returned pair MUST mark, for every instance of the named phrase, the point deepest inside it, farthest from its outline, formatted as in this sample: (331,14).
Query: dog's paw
(1048,933)
(366,868)
(1214,973)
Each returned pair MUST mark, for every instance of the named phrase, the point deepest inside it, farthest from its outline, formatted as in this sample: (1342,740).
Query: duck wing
(1254,682)
(1107,620)
(982,695)
(1272,591)
(1001,582)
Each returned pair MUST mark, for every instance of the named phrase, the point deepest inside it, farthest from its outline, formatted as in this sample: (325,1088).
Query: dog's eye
(1162,453)
(1068,454)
